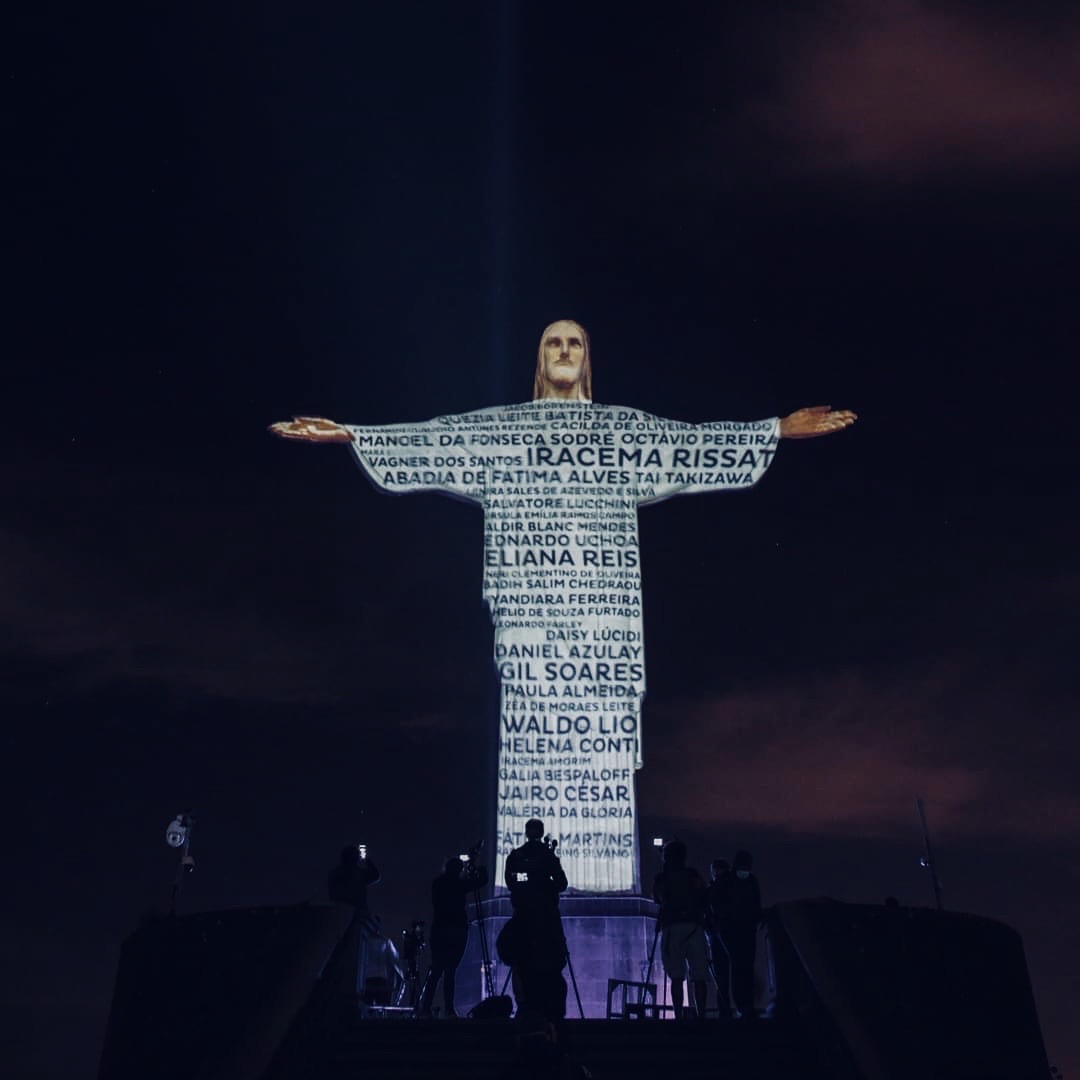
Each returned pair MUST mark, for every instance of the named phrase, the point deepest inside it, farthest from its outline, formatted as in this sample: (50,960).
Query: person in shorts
(681,893)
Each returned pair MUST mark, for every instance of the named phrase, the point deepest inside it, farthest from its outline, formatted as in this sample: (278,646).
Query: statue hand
(311,429)
(814,421)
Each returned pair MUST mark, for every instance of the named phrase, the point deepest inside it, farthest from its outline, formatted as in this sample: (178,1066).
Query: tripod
(486,969)
(412,945)
(652,949)
(723,989)
(652,957)
(573,979)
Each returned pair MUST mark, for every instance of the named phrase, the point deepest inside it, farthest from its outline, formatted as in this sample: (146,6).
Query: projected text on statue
(560,483)
(560,480)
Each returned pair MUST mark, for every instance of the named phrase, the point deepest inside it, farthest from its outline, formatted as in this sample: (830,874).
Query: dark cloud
(114,631)
(971,722)
(120,577)
(903,86)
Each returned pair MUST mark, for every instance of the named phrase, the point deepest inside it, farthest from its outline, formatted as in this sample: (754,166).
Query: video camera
(470,860)
(413,940)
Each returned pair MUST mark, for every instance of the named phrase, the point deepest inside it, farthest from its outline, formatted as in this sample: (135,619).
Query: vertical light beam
(501,198)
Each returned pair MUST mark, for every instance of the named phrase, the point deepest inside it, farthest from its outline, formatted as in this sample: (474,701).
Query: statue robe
(560,483)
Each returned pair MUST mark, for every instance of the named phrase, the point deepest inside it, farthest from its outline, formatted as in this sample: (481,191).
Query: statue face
(564,359)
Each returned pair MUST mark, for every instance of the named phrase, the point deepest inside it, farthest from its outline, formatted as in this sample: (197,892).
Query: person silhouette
(449,929)
(718,902)
(740,932)
(348,882)
(534,874)
(681,893)
(532,943)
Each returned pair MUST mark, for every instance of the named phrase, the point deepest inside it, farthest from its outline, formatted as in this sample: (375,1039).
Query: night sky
(217,218)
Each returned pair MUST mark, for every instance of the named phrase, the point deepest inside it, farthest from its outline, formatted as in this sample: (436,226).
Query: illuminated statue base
(609,937)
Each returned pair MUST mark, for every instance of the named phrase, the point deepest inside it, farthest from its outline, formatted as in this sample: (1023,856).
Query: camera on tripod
(470,860)
(413,941)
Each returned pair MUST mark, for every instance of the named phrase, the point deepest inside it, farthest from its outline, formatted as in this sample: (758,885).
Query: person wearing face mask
(740,931)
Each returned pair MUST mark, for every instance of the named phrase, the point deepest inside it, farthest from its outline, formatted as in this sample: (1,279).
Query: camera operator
(718,918)
(534,874)
(680,891)
(532,942)
(348,883)
(450,925)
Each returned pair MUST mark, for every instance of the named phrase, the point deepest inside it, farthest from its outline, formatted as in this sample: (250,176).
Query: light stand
(486,969)
(658,845)
(927,860)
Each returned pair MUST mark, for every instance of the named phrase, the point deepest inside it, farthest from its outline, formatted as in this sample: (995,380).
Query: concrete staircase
(482,1050)
(262,994)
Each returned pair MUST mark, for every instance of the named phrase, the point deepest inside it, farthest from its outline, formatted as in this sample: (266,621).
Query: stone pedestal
(609,937)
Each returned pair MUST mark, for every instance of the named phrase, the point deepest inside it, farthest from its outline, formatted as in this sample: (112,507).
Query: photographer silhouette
(534,874)
(532,943)
(348,882)
(450,926)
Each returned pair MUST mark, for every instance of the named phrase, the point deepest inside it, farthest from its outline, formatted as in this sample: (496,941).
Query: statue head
(563,365)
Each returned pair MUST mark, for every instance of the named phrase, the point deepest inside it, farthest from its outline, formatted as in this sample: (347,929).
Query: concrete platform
(609,937)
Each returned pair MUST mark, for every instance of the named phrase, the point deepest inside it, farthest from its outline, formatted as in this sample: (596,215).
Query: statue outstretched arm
(723,455)
(314,429)
(430,455)
(816,420)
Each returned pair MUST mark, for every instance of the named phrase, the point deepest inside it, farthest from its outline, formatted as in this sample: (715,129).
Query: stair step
(402,1049)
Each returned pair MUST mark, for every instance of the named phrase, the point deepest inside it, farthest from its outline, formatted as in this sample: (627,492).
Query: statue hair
(585,387)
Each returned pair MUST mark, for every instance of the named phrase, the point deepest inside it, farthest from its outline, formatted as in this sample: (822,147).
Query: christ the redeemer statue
(560,480)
